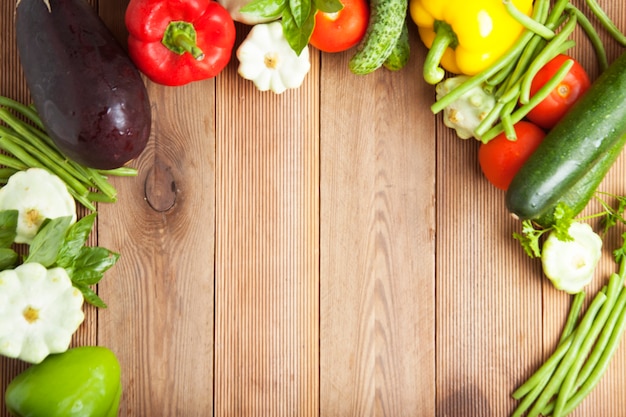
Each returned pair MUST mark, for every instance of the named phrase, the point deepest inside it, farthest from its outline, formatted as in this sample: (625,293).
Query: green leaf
(75,239)
(328,6)
(92,261)
(265,9)
(48,241)
(297,35)
(90,296)
(529,239)
(620,253)
(300,11)
(8,258)
(8,227)
(562,221)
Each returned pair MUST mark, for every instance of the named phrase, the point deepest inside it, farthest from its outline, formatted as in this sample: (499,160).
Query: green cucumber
(577,197)
(400,53)
(387,17)
(592,128)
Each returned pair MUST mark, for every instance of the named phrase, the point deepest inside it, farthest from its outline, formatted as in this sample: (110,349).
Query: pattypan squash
(39,311)
(466,113)
(570,264)
(267,59)
(36,194)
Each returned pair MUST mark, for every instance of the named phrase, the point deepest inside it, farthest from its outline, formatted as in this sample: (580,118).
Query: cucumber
(387,17)
(593,127)
(577,197)
(400,53)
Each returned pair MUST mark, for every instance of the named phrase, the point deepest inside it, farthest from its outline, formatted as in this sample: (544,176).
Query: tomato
(501,158)
(336,32)
(548,112)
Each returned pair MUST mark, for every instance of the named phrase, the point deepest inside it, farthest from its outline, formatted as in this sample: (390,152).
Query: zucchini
(400,53)
(595,126)
(387,17)
(577,197)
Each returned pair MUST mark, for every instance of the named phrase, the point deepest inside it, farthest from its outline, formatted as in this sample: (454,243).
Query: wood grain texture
(332,251)
(267,248)
(377,242)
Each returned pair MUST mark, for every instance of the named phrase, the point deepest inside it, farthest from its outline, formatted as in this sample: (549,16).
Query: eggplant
(88,92)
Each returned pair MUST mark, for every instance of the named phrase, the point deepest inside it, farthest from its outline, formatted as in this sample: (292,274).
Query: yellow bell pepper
(465,36)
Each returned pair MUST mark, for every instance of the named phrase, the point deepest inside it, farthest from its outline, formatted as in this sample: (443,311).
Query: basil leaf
(90,296)
(300,11)
(49,238)
(92,260)
(265,9)
(328,6)
(297,35)
(75,239)
(8,258)
(8,227)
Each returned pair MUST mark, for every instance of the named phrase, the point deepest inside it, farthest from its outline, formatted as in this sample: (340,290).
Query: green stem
(606,22)
(444,38)
(527,21)
(592,35)
(180,38)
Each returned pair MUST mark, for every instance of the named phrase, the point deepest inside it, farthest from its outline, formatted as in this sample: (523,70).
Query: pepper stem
(180,37)
(444,38)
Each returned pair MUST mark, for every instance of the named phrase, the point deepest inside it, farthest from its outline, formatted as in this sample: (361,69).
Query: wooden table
(330,251)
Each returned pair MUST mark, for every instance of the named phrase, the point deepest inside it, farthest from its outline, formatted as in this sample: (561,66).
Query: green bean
(40,160)
(27,133)
(483,76)
(608,350)
(544,370)
(539,96)
(123,171)
(572,317)
(561,371)
(25,111)
(606,22)
(529,398)
(11,162)
(592,35)
(556,13)
(30,145)
(527,21)
(588,342)
(595,355)
(507,122)
(556,46)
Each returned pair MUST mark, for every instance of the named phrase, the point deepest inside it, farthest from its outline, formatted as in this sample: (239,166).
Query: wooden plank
(377,242)
(160,316)
(267,256)
(13,85)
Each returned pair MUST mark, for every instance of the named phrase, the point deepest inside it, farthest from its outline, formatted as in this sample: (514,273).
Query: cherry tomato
(547,113)
(501,158)
(336,32)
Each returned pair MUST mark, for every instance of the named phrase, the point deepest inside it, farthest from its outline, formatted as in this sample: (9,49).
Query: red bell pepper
(175,42)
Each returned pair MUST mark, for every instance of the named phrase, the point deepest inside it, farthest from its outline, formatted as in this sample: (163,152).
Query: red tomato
(501,158)
(547,113)
(336,32)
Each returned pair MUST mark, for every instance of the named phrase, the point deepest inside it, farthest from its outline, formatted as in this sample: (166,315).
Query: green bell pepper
(83,381)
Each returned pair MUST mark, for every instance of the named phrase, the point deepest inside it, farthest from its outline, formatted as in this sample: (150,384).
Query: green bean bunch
(546,35)
(582,354)
(25,144)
